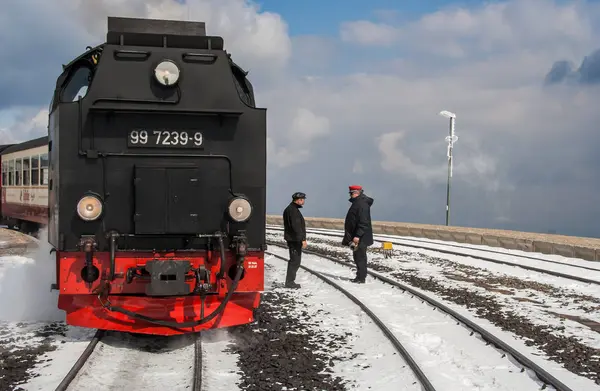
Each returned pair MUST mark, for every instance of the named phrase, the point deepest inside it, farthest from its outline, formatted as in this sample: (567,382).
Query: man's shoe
(357,281)
(292,285)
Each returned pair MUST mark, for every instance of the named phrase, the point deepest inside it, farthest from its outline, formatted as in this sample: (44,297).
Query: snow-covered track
(487,336)
(197,381)
(64,384)
(127,361)
(472,253)
(397,345)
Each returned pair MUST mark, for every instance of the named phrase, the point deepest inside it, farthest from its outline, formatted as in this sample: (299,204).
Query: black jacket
(293,224)
(358,221)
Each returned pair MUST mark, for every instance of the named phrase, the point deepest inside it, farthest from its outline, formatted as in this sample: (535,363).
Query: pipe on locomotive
(91,207)
(240,255)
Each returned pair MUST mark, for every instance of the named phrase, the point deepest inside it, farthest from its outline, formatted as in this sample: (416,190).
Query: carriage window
(77,85)
(4,173)
(26,171)
(18,172)
(11,173)
(35,171)
(44,168)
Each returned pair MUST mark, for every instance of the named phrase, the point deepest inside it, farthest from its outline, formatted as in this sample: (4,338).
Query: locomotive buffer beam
(241,247)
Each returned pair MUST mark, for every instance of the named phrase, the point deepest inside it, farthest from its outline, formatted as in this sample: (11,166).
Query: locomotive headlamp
(240,209)
(166,73)
(89,208)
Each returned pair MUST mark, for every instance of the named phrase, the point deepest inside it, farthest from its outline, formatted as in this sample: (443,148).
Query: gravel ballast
(21,348)
(281,350)
(470,273)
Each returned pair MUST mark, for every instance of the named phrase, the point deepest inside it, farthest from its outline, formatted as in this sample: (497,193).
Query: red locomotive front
(160,293)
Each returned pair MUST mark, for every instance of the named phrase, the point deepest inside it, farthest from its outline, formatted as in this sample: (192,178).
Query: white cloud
(472,166)
(492,27)
(358,167)
(369,33)
(26,125)
(381,119)
(258,40)
(303,129)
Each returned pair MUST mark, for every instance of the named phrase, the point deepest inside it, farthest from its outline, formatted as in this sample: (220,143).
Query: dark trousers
(294,263)
(360,259)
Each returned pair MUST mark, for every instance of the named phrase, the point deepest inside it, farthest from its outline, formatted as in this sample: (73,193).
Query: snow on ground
(445,352)
(54,365)
(567,267)
(220,371)
(369,359)
(506,255)
(36,347)
(574,286)
(25,286)
(539,305)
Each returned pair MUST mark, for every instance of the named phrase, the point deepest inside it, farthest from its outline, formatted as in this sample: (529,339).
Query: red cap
(355,187)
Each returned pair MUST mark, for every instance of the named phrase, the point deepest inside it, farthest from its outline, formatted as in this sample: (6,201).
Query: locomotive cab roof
(159,32)
(138,34)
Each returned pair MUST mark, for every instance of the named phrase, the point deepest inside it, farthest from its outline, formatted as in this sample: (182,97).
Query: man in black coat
(358,230)
(295,236)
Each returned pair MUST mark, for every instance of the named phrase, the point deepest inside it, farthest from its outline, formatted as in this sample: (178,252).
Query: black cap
(298,195)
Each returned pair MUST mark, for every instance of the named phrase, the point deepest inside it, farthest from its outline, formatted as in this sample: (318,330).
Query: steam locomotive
(156,182)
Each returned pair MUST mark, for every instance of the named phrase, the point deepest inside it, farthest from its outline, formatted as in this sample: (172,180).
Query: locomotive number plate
(159,138)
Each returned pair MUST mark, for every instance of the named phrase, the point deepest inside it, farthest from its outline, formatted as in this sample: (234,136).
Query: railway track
(76,370)
(489,338)
(100,335)
(423,379)
(472,253)
(64,384)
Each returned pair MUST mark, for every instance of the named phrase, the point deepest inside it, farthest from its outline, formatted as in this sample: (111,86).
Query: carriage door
(184,201)
(167,200)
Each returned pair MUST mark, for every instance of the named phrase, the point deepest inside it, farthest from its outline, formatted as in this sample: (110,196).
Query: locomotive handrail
(135,100)
(212,112)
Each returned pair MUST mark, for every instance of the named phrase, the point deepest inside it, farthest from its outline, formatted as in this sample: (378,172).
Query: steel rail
(72,374)
(484,258)
(197,381)
(540,372)
(397,344)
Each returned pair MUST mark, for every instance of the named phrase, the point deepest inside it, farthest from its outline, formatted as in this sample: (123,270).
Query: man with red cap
(358,231)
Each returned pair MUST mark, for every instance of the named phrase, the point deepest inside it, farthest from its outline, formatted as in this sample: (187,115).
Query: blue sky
(324,17)
(353,91)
